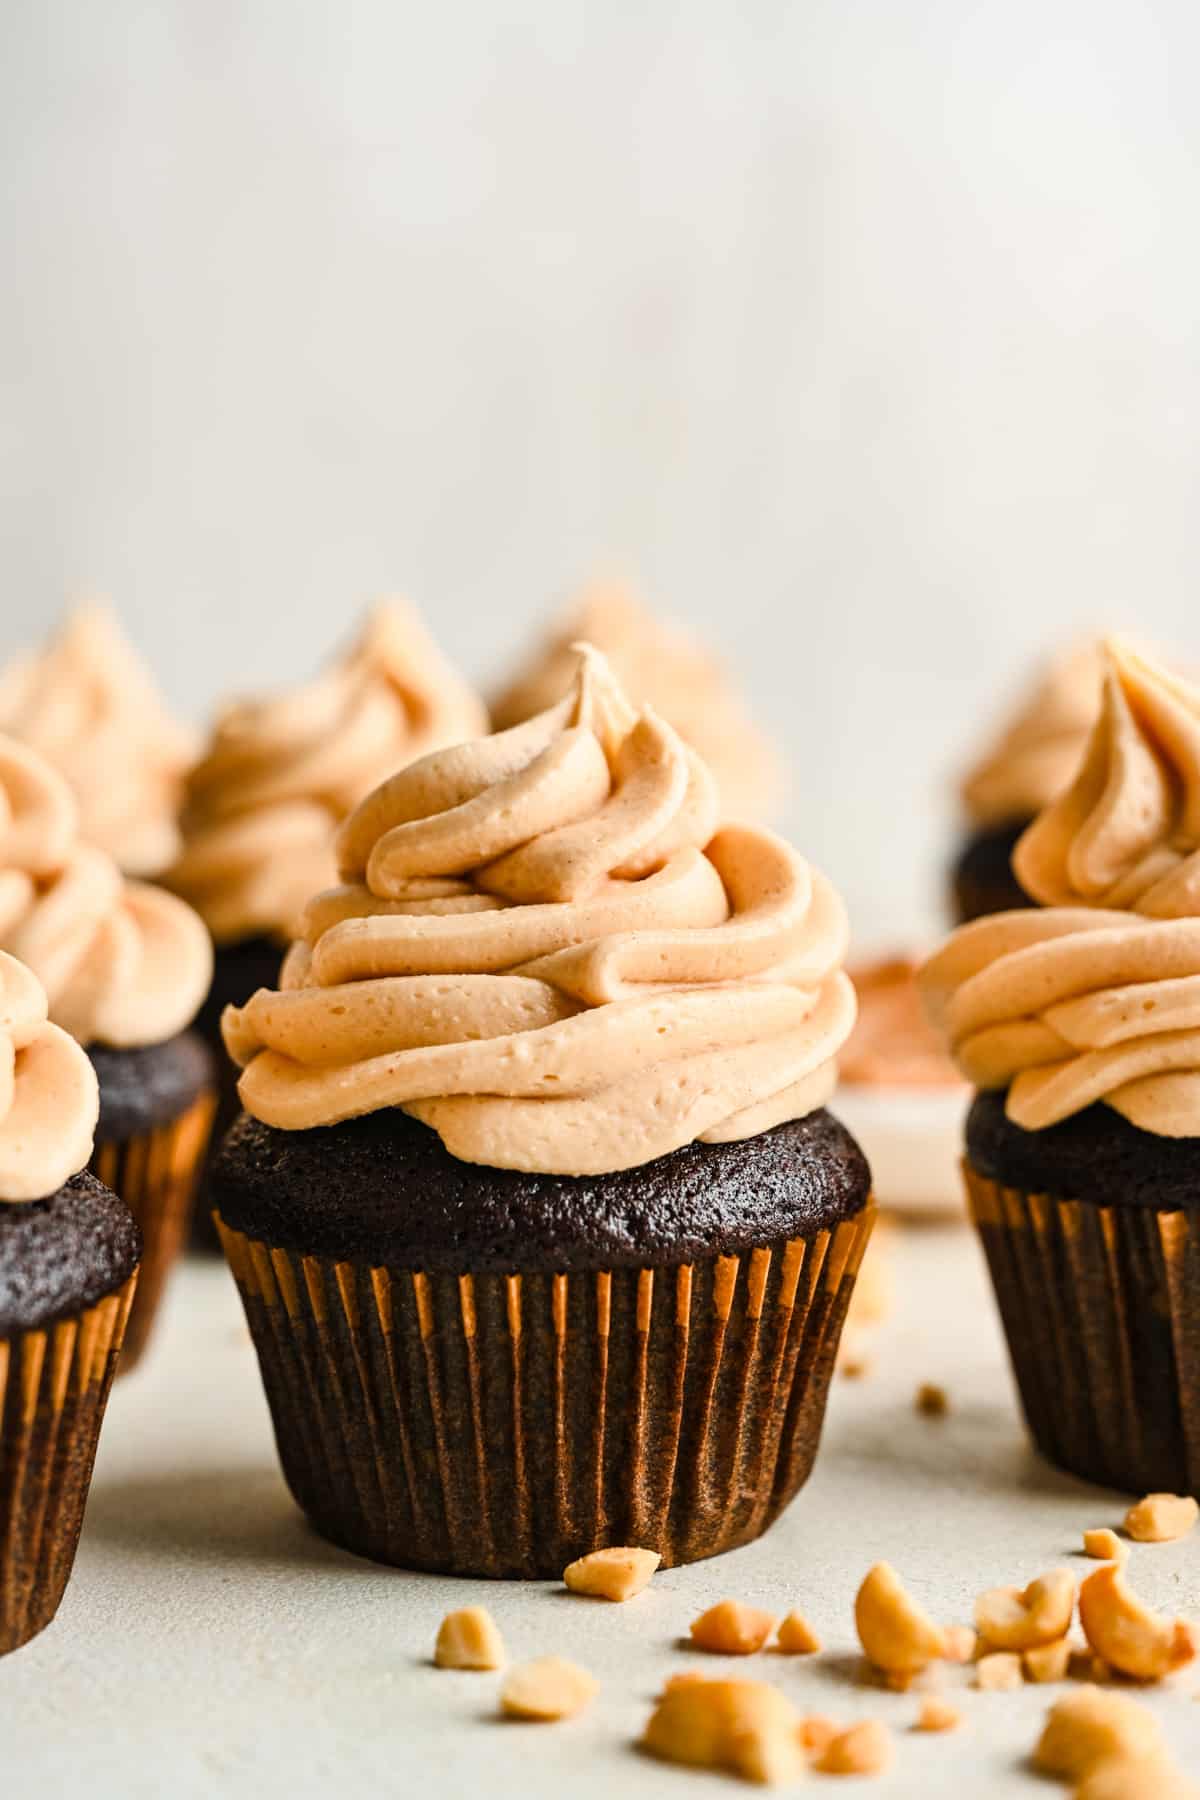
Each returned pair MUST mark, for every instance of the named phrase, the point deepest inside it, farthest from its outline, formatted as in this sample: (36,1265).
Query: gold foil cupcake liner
(54,1387)
(1101,1309)
(155,1174)
(502,1425)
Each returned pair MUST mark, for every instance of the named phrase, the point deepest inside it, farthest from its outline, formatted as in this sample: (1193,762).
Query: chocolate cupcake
(68,1266)
(544,1235)
(124,966)
(279,774)
(1028,764)
(1079,1022)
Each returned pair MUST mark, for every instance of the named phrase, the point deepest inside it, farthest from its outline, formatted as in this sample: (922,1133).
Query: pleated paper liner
(502,1425)
(155,1174)
(1101,1308)
(54,1387)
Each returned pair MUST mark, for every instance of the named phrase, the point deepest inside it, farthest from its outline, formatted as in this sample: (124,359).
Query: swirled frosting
(281,772)
(89,706)
(122,963)
(1038,749)
(662,667)
(1097,996)
(541,949)
(49,1098)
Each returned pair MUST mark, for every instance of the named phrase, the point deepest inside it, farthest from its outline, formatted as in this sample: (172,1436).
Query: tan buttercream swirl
(122,963)
(89,706)
(1037,751)
(49,1098)
(281,772)
(659,665)
(541,949)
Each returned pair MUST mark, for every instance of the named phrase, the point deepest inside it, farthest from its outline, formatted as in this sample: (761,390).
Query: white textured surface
(210,1645)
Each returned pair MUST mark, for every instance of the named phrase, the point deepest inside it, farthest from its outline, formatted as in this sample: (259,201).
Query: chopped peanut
(1126,1634)
(1104,1545)
(932,1402)
(937,1714)
(961,1643)
(895,1634)
(547,1689)
(796,1636)
(1088,1727)
(999,1672)
(616,1574)
(854,1362)
(731,1629)
(747,1727)
(1160,1518)
(1047,1662)
(469,1639)
(1021,1618)
(863,1749)
(1136,1778)
(817,1732)
(683,1678)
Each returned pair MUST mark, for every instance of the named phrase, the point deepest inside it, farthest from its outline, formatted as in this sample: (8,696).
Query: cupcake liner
(54,1387)
(502,1425)
(155,1174)
(1100,1308)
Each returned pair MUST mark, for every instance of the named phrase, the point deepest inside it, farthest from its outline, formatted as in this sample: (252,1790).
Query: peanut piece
(999,1673)
(1104,1545)
(894,1632)
(961,1643)
(863,1749)
(932,1402)
(1136,1778)
(1089,1727)
(682,1678)
(1047,1662)
(1126,1634)
(855,1364)
(796,1636)
(1021,1618)
(616,1574)
(937,1714)
(547,1689)
(469,1639)
(746,1727)
(731,1629)
(1160,1518)
(817,1732)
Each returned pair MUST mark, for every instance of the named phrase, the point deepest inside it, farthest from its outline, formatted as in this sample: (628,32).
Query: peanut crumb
(1012,1618)
(796,1636)
(1125,1634)
(682,1678)
(937,1714)
(1161,1518)
(1136,1778)
(961,1643)
(932,1402)
(547,1689)
(896,1635)
(863,1749)
(855,1363)
(1047,1662)
(731,1629)
(746,1727)
(616,1574)
(999,1672)
(1104,1545)
(469,1639)
(817,1732)
(1088,1727)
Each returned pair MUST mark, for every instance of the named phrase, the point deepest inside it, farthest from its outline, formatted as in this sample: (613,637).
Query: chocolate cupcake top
(49,1098)
(90,707)
(122,963)
(281,772)
(1095,995)
(1037,751)
(544,949)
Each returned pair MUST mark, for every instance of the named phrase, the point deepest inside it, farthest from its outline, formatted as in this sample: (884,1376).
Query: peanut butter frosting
(1037,752)
(89,706)
(49,1097)
(281,772)
(544,949)
(122,963)
(1096,997)
(669,671)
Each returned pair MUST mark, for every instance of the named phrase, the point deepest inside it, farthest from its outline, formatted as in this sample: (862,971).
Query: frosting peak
(281,771)
(89,706)
(1037,751)
(541,949)
(49,1098)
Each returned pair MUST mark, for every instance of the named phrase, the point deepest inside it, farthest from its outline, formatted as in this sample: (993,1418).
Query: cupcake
(1079,1024)
(1022,770)
(90,707)
(279,774)
(125,966)
(68,1264)
(661,666)
(544,1234)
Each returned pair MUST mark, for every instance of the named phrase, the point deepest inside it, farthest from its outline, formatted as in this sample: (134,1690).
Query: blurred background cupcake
(1079,1023)
(125,966)
(544,1233)
(68,1266)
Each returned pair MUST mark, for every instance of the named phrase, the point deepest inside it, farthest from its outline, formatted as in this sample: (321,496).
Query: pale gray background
(863,331)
